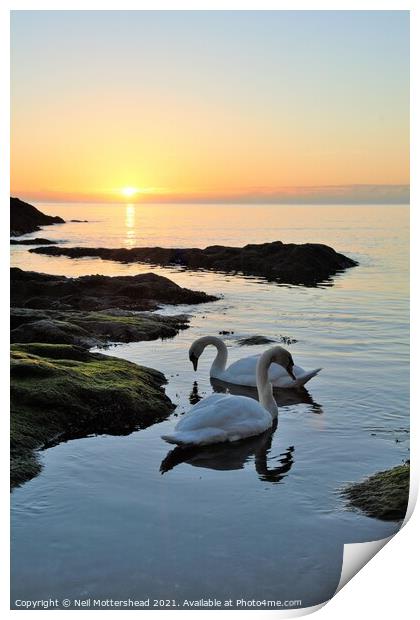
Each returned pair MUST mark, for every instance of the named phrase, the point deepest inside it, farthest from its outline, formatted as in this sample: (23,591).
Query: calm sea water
(263,519)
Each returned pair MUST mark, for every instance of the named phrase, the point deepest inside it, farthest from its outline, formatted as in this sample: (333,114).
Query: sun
(129,191)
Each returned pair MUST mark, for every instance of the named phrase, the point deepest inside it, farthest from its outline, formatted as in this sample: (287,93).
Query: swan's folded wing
(228,413)
(243,371)
(202,436)
(208,401)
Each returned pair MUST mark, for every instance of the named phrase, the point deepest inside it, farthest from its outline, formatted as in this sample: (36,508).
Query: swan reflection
(230,456)
(195,396)
(283,397)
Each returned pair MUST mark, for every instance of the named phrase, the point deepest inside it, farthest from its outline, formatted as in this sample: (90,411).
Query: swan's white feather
(219,418)
(243,372)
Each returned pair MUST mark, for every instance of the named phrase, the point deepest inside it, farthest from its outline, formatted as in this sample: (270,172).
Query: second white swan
(226,417)
(243,372)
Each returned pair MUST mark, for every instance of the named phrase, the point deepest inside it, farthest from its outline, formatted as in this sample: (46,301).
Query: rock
(142,292)
(36,241)
(308,263)
(254,340)
(384,495)
(90,329)
(62,391)
(25,218)
(251,340)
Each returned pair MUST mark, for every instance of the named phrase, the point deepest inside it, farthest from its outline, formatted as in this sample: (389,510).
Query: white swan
(242,372)
(224,417)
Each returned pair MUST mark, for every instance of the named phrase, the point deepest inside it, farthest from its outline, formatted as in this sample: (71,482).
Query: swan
(227,417)
(242,372)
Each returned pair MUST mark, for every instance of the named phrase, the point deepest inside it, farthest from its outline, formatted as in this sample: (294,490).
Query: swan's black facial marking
(289,368)
(194,360)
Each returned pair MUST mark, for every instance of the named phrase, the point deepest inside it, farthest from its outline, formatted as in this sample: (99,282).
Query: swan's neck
(264,387)
(219,363)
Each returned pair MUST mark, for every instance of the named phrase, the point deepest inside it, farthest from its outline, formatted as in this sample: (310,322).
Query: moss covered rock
(384,495)
(90,329)
(62,391)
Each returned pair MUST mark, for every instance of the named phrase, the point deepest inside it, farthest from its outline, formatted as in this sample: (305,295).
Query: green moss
(384,495)
(88,329)
(61,390)
(123,318)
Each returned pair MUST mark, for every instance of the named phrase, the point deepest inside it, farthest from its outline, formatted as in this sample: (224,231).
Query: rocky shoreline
(25,218)
(289,263)
(58,388)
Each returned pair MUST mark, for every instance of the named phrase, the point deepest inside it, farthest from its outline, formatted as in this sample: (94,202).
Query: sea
(122,518)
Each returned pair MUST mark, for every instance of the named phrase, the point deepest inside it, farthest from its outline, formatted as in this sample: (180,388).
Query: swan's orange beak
(194,360)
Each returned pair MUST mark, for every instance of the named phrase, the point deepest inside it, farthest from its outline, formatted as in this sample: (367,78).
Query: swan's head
(282,357)
(200,344)
(195,351)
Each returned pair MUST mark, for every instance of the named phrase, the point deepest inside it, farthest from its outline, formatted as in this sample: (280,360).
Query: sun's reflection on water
(130,224)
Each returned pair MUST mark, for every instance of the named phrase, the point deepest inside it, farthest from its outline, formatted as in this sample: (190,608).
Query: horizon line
(291,195)
(225,203)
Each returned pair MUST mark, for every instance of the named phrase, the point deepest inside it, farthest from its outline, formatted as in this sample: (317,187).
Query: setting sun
(129,191)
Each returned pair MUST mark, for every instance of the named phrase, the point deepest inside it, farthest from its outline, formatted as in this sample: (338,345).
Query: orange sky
(223,115)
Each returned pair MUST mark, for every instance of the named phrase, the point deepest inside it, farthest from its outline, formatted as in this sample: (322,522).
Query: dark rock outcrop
(36,241)
(61,391)
(252,340)
(25,218)
(142,292)
(308,263)
(90,329)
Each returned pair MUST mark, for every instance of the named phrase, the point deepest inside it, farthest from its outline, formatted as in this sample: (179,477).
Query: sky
(210,106)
